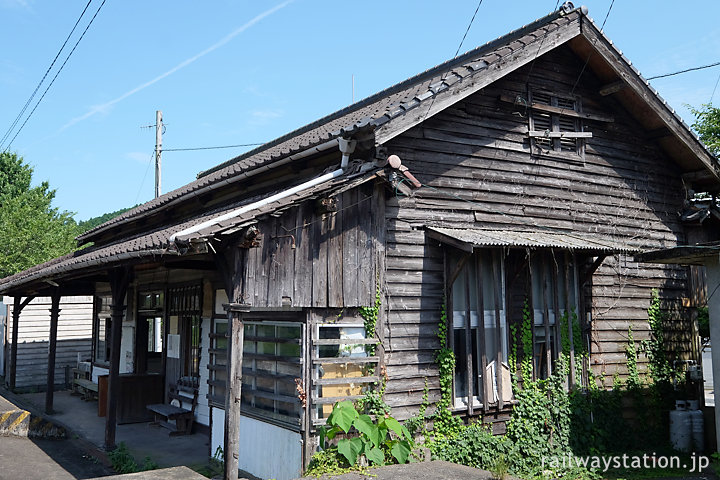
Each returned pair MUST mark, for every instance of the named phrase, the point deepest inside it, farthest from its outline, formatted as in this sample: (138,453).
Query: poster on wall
(173,347)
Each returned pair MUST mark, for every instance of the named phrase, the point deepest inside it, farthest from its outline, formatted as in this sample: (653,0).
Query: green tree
(32,231)
(707,126)
(93,222)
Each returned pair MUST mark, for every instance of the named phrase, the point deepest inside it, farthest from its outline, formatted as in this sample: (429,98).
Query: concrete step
(17,422)
(14,421)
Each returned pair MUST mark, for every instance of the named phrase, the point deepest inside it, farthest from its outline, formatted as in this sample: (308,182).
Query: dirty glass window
(272,362)
(477,339)
(550,297)
(338,365)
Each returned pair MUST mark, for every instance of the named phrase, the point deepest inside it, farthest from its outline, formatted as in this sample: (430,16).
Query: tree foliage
(32,231)
(707,126)
(93,222)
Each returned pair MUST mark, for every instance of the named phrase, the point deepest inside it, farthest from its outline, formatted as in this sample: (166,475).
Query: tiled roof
(157,244)
(371,112)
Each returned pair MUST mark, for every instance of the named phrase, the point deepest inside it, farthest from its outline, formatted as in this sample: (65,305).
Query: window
(341,366)
(218,362)
(101,327)
(553,125)
(185,308)
(554,293)
(271,364)
(149,332)
(490,291)
(480,337)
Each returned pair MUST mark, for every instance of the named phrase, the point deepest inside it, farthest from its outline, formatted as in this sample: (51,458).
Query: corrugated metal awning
(467,239)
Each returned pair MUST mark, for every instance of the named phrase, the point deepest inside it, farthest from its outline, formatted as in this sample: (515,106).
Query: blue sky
(232,72)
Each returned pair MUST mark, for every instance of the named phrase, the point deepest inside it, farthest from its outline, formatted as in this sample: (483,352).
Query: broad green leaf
(401,451)
(376,456)
(330,434)
(343,415)
(364,424)
(350,448)
(395,426)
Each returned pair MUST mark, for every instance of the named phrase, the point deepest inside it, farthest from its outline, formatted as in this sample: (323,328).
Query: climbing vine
(370,317)
(444,422)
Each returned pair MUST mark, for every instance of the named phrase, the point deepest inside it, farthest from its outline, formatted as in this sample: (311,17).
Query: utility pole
(158,151)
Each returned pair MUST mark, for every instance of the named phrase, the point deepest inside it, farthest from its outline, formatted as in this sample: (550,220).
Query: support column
(233,390)
(713,280)
(18,305)
(54,317)
(119,279)
(231,262)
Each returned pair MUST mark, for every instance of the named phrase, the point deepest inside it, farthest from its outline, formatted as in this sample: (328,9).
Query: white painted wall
(74,337)
(266,451)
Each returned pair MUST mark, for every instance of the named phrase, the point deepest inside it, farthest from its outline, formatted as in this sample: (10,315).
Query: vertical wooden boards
(303,272)
(482,350)
(350,248)
(497,287)
(367,277)
(320,260)
(335,253)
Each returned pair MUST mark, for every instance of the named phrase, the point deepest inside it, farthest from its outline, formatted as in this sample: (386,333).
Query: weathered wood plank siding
(312,259)
(74,337)
(476,163)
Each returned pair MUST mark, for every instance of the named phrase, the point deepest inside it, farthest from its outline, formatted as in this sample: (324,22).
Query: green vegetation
(123,462)
(381,441)
(93,222)
(32,231)
(707,126)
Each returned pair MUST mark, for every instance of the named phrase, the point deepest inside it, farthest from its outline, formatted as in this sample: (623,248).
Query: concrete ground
(23,458)
(80,418)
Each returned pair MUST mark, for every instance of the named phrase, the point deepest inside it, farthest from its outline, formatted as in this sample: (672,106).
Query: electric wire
(142,183)
(29,100)
(602,27)
(702,67)
(56,75)
(442,79)
(532,64)
(211,148)
(714,88)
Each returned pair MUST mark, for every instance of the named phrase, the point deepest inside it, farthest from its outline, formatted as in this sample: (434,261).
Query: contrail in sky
(106,105)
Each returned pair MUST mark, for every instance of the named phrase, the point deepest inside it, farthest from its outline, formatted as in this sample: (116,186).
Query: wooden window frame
(548,139)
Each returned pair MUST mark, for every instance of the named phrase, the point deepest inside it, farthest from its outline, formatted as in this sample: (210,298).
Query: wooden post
(232,266)
(54,317)
(119,279)
(18,305)
(234,388)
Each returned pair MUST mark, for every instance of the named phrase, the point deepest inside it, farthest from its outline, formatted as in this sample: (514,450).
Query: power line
(56,74)
(442,79)
(685,71)
(29,100)
(602,27)
(211,148)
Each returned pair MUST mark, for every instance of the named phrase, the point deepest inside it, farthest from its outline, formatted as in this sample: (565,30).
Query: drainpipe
(347,147)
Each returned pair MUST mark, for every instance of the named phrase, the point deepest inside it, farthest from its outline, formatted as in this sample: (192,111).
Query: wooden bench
(184,392)
(86,388)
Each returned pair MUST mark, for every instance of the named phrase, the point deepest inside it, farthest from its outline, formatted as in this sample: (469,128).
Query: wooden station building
(521,176)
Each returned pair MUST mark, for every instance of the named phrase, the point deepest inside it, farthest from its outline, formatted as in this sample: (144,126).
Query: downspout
(347,147)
